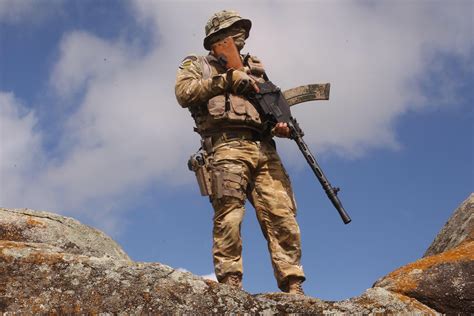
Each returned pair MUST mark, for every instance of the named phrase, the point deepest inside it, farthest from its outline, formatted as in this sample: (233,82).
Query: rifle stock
(227,54)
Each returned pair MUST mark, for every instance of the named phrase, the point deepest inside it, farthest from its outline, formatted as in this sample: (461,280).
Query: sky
(90,127)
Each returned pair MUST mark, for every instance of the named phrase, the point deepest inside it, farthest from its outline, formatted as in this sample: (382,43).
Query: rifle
(274,108)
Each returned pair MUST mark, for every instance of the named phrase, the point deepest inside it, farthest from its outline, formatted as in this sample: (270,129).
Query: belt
(221,137)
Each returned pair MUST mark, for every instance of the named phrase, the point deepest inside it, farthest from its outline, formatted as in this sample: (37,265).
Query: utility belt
(211,181)
(222,137)
(210,139)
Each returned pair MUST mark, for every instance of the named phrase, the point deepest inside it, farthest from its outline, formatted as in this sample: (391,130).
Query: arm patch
(187,61)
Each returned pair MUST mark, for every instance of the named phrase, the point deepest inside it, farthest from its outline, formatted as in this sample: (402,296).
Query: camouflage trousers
(252,169)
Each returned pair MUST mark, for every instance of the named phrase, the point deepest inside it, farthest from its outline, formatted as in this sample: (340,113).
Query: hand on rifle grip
(281,130)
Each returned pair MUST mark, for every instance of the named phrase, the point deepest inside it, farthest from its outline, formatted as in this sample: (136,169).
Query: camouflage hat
(223,20)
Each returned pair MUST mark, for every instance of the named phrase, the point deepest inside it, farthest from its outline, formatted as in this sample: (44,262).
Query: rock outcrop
(54,264)
(68,234)
(458,229)
(38,278)
(444,278)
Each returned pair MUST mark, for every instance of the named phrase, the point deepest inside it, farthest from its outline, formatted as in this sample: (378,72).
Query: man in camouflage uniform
(243,159)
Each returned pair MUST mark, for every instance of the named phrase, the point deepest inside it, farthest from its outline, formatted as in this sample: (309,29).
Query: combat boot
(294,286)
(233,279)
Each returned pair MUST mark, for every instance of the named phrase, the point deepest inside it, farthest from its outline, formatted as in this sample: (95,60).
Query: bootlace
(296,288)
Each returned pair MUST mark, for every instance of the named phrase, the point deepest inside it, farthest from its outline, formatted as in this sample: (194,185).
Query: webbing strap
(206,68)
(233,177)
(220,188)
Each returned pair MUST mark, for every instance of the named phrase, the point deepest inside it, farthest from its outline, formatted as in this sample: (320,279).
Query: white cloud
(210,276)
(85,58)
(20,150)
(128,130)
(27,177)
(125,132)
(123,136)
(370,52)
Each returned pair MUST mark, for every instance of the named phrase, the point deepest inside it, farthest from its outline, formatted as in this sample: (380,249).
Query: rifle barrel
(331,192)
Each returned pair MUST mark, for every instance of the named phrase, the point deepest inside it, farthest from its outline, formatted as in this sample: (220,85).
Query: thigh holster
(199,163)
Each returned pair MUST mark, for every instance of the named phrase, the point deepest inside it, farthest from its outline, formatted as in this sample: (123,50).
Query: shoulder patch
(187,61)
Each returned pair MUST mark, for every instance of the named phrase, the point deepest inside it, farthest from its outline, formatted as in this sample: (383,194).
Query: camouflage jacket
(201,87)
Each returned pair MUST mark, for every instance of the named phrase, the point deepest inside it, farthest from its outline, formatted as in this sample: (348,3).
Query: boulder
(24,225)
(54,264)
(444,282)
(374,301)
(459,228)
(38,278)
(444,278)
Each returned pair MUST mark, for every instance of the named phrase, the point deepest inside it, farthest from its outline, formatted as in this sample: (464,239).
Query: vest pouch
(216,106)
(238,104)
(241,110)
(252,113)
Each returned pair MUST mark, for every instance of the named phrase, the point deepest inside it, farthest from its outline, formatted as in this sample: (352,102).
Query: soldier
(242,157)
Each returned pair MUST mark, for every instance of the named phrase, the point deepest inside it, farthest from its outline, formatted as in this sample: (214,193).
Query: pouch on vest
(241,110)
(216,106)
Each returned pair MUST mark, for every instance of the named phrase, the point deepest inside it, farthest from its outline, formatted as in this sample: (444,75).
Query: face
(238,33)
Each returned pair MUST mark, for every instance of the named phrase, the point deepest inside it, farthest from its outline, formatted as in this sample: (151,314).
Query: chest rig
(225,111)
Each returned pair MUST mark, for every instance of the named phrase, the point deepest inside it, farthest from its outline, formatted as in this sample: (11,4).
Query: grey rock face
(53,264)
(374,301)
(39,278)
(444,282)
(24,225)
(444,278)
(459,228)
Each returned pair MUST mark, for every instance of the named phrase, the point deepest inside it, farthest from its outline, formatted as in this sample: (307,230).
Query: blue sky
(90,127)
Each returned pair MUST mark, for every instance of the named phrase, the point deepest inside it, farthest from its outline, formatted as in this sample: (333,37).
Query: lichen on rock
(458,229)
(445,279)
(55,264)
(27,225)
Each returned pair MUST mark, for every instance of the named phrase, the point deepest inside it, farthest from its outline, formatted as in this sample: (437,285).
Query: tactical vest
(223,112)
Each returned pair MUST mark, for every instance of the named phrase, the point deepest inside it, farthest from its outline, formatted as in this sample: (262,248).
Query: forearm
(191,91)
